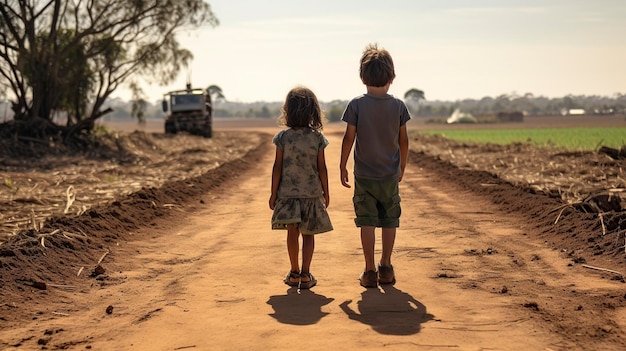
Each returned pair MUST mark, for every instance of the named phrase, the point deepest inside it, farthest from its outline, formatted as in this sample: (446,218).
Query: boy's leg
(388,240)
(293,246)
(308,246)
(368,278)
(368,239)
(386,274)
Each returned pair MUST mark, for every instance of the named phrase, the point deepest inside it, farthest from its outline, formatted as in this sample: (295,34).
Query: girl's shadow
(390,311)
(295,308)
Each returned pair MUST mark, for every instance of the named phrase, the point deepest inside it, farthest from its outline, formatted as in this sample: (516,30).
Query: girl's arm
(277,172)
(321,168)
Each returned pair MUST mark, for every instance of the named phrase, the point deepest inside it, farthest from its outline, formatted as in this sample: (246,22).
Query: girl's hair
(376,66)
(301,109)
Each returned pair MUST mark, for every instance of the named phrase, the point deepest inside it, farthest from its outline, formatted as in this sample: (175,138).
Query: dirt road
(468,279)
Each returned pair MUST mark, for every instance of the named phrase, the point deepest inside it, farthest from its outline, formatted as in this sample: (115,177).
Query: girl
(300,182)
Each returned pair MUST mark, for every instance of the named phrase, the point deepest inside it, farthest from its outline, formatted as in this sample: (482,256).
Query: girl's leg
(293,246)
(368,239)
(308,246)
(388,239)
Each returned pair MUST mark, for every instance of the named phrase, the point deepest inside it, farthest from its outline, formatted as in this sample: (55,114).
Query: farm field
(571,139)
(156,240)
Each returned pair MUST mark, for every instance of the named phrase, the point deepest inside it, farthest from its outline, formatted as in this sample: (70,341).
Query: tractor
(190,111)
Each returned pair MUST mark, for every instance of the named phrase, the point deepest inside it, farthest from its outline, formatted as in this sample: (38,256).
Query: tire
(170,128)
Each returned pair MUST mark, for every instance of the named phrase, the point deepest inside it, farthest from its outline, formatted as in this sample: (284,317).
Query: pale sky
(450,49)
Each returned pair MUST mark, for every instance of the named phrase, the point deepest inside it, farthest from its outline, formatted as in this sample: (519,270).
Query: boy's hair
(376,66)
(301,109)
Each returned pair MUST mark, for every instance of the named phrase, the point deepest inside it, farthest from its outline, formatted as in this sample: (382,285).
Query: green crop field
(568,138)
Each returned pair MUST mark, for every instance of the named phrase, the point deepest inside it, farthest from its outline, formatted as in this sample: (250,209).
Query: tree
(215,93)
(413,97)
(68,56)
(502,103)
(335,112)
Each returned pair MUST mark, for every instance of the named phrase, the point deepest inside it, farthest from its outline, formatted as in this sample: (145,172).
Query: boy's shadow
(298,309)
(390,311)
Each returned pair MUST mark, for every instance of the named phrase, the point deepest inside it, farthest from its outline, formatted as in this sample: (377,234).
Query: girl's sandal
(292,279)
(309,283)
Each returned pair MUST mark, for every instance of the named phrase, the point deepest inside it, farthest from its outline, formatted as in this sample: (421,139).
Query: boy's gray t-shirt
(377,148)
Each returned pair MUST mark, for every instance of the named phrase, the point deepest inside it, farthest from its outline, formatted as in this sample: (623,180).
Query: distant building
(572,112)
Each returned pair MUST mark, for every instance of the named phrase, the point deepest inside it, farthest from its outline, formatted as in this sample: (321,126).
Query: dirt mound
(43,181)
(171,175)
(572,200)
(577,234)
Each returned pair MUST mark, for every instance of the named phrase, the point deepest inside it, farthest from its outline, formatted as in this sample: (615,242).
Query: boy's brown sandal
(368,279)
(386,275)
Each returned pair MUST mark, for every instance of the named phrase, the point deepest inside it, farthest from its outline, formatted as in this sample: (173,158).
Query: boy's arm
(323,171)
(403,139)
(346,147)
(277,172)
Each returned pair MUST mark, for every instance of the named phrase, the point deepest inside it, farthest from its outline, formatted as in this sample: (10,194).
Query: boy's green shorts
(376,203)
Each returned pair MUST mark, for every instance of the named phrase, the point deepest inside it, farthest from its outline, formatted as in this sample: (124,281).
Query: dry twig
(103,256)
(600,216)
(34,220)
(71,196)
(562,208)
(602,269)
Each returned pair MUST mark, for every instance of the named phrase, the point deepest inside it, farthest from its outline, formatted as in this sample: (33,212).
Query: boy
(377,121)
